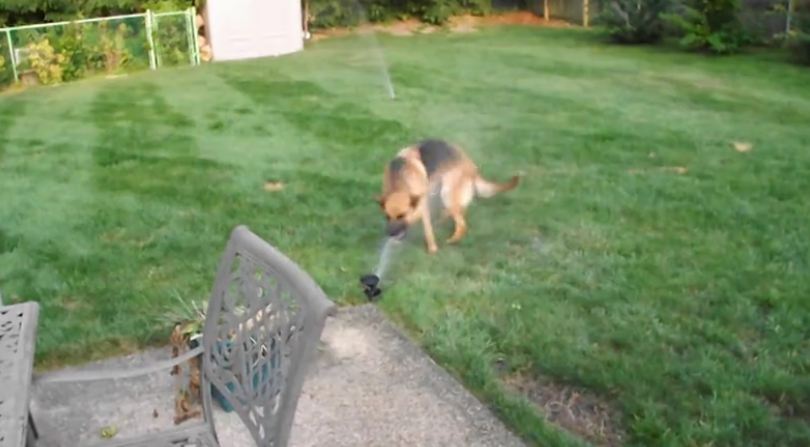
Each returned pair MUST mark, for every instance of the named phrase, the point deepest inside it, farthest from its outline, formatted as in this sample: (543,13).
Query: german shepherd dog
(423,169)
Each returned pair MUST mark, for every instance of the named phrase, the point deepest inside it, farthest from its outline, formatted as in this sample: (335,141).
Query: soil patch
(576,410)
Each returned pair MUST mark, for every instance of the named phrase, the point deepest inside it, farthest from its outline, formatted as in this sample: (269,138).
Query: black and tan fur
(433,165)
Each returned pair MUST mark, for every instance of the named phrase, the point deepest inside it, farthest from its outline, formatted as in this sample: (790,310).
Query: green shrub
(437,12)
(171,41)
(46,62)
(5,78)
(165,5)
(712,25)
(112,48)
(634,21)
(71,44)
(331,13)
(21,12)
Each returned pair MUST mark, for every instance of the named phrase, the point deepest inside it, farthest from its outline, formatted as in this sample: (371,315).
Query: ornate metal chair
(263,323)
(18,330)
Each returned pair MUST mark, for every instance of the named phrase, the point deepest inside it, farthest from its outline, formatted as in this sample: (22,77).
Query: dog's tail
(485,188)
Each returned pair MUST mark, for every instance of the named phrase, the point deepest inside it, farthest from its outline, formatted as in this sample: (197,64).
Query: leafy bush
(171,41)
(436,12)
(45,61)
(5,78)
(331,13)
(634,21)
(165,5)
(712,25)
(21,12)
(112,47)
(71,44)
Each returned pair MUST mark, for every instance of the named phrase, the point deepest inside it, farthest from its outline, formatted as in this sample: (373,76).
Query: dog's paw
(432,249)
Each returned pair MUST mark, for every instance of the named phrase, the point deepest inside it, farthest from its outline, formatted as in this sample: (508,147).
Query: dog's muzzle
(396,229)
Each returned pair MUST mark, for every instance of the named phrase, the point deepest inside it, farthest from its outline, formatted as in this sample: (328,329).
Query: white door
(243,29)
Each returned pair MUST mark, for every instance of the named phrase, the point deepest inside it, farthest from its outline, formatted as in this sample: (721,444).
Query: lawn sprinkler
(371,281)
(370,284)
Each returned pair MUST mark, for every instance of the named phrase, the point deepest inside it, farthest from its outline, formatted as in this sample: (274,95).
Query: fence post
(150,39)
(12,57)
(190,35)
(155,29)
(586,11)
(546,12)
(195,32)
(789,17)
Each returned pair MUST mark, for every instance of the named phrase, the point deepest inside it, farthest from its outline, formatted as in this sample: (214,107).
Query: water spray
(389,84)
(376,50)
(371,282)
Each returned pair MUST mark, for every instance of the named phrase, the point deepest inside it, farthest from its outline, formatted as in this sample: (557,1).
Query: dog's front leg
(430,239)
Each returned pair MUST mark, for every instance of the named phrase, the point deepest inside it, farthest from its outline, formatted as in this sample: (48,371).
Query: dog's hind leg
(456,199)
(461,226)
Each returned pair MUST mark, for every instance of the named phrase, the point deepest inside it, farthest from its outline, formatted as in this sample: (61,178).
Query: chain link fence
(51,53)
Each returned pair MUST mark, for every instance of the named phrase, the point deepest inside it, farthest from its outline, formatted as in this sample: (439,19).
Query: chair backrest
(263,323)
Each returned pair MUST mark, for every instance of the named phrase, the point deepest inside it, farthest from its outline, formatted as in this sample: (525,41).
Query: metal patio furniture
(262,326)
(18,329)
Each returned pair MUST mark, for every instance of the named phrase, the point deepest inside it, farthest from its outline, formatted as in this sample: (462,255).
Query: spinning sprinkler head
(370,284)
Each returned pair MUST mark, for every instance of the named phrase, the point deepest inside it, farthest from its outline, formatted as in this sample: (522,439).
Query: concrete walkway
(371,387)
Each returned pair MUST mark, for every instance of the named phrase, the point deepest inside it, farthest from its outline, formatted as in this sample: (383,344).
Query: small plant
(711,25)
(46,62)
(634,21)
(189,314)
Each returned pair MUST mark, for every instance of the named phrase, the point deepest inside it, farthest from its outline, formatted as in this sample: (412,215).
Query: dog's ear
(380,200)
(414,201)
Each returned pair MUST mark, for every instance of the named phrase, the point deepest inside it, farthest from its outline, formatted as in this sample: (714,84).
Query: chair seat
(197,435)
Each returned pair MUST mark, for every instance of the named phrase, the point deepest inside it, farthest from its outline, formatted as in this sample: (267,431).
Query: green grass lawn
(683,298)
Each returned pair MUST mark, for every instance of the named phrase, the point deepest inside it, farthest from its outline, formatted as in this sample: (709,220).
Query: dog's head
(401,210)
